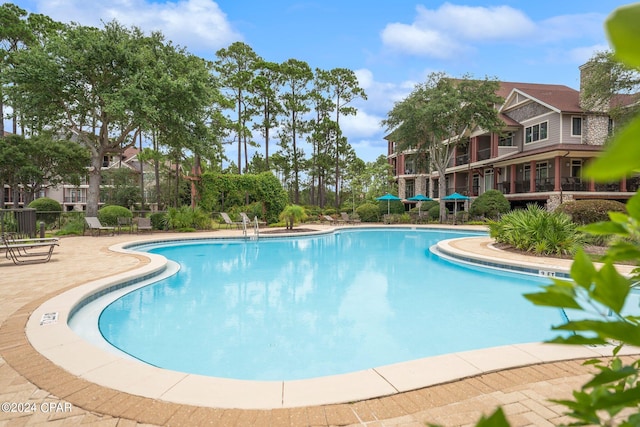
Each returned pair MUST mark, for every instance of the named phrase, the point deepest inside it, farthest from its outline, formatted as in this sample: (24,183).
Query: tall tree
(343,88)
(296,95)
(439,114)
(95,85)
(265,89)
(610,86)
(236,66)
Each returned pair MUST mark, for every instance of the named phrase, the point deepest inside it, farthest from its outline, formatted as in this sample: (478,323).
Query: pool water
(303,307)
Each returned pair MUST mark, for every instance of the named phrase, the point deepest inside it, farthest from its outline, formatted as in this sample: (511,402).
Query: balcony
(484,154)
(633,184)
(462,159)
(544,184)
(503,187)
(573,184)
(609,187)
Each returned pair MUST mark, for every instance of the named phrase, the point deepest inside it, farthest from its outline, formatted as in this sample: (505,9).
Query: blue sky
(391,45)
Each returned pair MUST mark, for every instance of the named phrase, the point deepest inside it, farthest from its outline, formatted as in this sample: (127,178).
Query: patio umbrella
(419,198)
(455,198)
(388,197)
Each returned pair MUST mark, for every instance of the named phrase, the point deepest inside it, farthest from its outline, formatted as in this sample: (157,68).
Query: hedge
(590,211)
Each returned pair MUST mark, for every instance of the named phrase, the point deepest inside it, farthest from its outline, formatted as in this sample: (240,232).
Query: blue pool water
(303,307)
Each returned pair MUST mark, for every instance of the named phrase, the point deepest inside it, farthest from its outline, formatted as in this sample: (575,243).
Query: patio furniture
(125,222)
(95,227)
(328,218)
(144,224)
(29,251)
(249,221)
(227,220)
(347,219)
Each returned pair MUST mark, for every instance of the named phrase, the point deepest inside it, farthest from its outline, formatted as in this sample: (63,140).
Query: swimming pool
(304,307)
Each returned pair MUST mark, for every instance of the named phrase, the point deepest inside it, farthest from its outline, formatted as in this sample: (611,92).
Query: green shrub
(109,215)
(434,212)
(536,230)
(45,205)
(590,211)
(72,226)
(490,204)
(368,212)
(185,218)
(157,220)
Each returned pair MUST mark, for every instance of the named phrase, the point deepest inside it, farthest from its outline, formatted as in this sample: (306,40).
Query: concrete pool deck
(81,391)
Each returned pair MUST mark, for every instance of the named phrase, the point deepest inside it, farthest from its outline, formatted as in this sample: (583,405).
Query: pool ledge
(50,335)
(480,251)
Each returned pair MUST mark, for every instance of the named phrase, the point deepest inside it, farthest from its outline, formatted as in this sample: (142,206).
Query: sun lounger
(227,220)
(246,218)
(328,218)
(346,219)
(95,227)
(29,251)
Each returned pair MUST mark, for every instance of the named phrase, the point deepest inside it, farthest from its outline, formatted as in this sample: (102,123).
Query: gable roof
(557,97)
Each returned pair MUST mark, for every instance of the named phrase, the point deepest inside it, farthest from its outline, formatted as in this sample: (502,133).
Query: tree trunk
(442,192)
(95,178)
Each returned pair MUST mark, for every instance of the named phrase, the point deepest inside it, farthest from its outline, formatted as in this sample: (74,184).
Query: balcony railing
(544,184)
(75,199)
(633,183)
(573,184)
(484,154)
(609,187)
(462,159)
(504,187)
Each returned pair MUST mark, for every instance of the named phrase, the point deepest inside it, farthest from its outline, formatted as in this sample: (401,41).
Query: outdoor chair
(95,227)
(144,224)
(245,217)
(125,222)
(29,251)
(227,220)
(347,219)
(328,218)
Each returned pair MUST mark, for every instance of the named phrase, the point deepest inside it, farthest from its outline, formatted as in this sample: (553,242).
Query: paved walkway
(41,393)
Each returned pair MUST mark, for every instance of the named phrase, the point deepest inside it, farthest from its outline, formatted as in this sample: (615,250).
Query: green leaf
(497,419)
(618,217)
(622,27)
(611,287)
(622,251)
(582,269)
(577,340)
(554,296)
(628,398)
(633,207)
(621,158)
(619,331)
(608,376)
(605,228)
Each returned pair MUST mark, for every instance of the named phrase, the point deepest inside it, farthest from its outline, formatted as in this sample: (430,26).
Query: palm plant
(292,214)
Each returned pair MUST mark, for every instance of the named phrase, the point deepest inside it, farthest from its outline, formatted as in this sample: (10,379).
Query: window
(506,140)
(409,189)
(542,170)
(409,166)
(488,179)
(536,133)
(576,126)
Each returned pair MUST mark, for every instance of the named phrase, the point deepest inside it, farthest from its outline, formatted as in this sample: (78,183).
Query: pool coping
(58,343)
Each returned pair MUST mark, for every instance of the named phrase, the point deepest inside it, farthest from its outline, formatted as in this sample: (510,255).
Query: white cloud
(361,125)
(446,32)
(582,54)
(195,24)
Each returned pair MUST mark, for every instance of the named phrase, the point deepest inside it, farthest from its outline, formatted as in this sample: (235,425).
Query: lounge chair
(95,227)
(328,218)
(227,220)
(347,219)
(144,224)
(29,251)
(245,217)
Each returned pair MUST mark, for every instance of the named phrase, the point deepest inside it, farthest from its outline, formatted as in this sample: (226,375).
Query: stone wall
(532,109)
(595,129)
(554,200)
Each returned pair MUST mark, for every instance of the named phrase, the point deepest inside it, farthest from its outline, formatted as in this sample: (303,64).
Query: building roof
(560,97)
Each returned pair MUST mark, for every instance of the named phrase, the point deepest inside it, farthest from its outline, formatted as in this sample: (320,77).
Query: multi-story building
(74,197)
(547,140)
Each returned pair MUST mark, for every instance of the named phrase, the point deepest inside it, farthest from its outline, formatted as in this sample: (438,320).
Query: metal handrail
(256,228)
